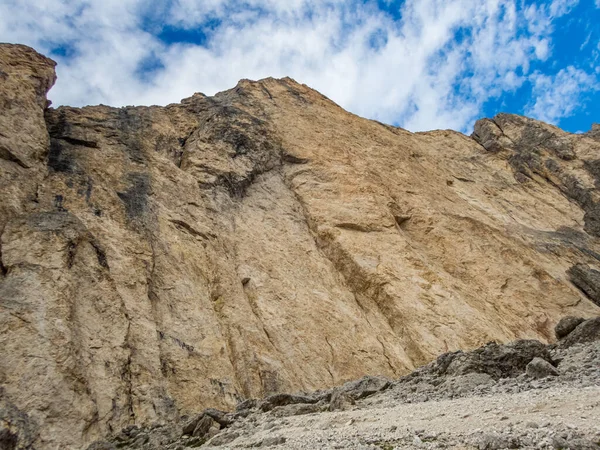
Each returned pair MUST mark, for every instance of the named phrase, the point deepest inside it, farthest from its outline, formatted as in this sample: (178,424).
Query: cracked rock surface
(159,261)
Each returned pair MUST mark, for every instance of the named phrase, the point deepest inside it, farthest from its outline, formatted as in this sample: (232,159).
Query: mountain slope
(157,260)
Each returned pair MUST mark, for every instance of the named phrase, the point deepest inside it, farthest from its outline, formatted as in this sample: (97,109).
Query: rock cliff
(155,261)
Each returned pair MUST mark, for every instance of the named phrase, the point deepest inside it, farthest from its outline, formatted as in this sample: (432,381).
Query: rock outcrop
(157,261)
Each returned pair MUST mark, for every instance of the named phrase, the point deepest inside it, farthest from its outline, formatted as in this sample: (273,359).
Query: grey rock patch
(540,368)
(587,280)
(223,438)
(203,426)
(272,441)
(365,387)
(295,410)
(566,325)
(493,441)
(340,401)
(587,331)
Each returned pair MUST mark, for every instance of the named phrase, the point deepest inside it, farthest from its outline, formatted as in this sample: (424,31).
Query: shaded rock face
(587,331)
(594,133)
(156,261)
(586,279)
(536,151)
(566,325)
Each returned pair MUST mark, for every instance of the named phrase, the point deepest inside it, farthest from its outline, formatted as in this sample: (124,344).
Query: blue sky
(419,64)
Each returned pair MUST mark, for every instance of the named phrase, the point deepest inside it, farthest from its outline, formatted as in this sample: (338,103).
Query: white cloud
(561,7)
(419,74)
(558,96)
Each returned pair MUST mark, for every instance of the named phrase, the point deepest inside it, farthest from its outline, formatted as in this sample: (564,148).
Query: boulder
(340,401)
(566,325)
(496,360)
(298,409)
(286,399)
(365,387)
(272,441)
(540,368)
(190,424)
(587,280)
(203,426)
(587,331)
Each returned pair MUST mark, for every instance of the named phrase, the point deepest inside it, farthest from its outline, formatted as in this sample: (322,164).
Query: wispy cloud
(558,96)
(427,64)
(561,7)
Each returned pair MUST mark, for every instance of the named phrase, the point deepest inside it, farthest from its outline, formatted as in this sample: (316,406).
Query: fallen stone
(566,325)
(587,280)
(365,387)
(272,441)
(587,331)
(203,426)
(298,409)
(496,360)
(285,399)
(221,417)
(190,425)
(340,401)
(540,368)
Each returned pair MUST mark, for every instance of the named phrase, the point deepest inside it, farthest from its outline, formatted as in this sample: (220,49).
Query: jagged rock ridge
(155,261)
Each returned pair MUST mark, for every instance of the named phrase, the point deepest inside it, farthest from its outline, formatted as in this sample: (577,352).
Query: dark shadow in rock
(587,281)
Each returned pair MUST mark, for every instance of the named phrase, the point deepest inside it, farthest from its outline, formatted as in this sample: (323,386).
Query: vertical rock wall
(155,261)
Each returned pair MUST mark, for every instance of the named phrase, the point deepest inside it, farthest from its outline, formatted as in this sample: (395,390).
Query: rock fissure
(332,359)
(7,155)
(75,141)
(127,377)
(359,283)
(384,352)
(191,230)
(3,269)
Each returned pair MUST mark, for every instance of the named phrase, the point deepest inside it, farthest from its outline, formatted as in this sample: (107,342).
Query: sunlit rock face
(160,260)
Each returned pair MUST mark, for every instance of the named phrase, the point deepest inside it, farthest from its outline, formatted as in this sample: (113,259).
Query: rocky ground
(520,395)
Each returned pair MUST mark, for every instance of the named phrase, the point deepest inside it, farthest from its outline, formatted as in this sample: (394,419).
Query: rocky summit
(157,262)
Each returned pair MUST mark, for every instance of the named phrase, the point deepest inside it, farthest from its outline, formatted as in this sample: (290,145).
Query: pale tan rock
(157,261)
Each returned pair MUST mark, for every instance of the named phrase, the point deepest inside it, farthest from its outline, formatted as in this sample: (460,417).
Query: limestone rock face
(157,261)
